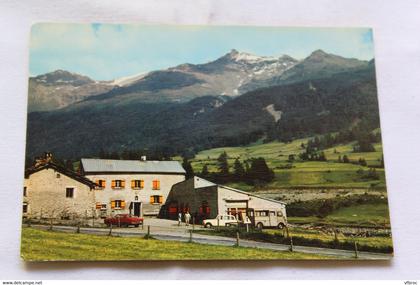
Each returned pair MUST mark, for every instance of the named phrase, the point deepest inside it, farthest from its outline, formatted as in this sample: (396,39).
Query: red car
(122,220)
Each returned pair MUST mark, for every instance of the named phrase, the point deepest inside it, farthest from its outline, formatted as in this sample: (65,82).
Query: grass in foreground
(40,245)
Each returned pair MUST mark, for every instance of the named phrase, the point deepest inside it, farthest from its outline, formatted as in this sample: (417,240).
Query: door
(137,209)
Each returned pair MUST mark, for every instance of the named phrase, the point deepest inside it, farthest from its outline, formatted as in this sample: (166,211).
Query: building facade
(53,191)
(136,187)
(204,199)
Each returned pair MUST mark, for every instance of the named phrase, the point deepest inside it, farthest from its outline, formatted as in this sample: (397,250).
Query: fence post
(287,232)
(335,237)
(93,218)
(356,253)
(190,240)
(237,238)
(78,228)
(51,223)
(193,223)
(110,230)
(217,223)
(148,232)
(291,244)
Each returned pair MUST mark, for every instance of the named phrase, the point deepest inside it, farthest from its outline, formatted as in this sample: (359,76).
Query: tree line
(254,171)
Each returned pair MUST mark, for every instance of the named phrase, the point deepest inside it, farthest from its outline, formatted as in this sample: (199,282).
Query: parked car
(122,220)
(220,220)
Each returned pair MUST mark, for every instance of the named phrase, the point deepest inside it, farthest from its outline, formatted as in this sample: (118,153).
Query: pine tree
(186,164)
(259,171)
(238,170)
(205,171)
(346,159)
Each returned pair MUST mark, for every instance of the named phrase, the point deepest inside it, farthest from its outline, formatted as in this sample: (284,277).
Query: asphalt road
(174,232)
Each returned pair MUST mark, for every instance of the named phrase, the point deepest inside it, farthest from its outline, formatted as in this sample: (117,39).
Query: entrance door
(137,209)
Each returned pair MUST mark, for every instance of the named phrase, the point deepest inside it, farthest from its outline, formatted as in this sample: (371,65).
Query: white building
(205,199)
(138,187)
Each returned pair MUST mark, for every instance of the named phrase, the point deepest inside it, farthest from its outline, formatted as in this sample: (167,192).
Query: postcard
(166,142)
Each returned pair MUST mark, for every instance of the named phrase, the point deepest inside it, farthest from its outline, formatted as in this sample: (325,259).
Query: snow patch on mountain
(272,111)
(127,80)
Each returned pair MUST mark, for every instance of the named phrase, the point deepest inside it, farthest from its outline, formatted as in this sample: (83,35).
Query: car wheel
(260,226)
(208,225)
(280,226)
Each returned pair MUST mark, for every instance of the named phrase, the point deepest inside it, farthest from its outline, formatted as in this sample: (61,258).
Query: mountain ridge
(232,74)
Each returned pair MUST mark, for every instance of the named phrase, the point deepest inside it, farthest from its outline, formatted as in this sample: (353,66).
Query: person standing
(179,218)
(187,218)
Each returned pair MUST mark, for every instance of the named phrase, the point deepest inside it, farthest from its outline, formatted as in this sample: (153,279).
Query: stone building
(138,187)
(205,199)
(53,191)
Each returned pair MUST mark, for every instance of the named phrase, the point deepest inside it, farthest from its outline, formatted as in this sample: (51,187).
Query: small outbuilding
(205,199)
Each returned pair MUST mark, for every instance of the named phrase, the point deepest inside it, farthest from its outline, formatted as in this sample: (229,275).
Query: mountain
(318,64)
(61,88)
(232,75)
(285,111)
(223,76)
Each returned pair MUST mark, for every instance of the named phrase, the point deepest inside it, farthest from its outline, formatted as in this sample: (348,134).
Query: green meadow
(42,245)
(301,174)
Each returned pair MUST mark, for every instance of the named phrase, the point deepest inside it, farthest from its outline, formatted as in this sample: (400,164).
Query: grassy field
(368,215)
(39,245)
(374,242)
(315,174)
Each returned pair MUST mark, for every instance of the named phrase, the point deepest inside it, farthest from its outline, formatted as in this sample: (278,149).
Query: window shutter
(152,200)
(112,204)
(122,183)
(113,184)
(133,184)
(97,182)
(160,199)
(98,205)
(141,183)
(122,204)
(158,184)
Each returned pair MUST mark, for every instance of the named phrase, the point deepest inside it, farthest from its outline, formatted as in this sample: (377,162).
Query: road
(169,230)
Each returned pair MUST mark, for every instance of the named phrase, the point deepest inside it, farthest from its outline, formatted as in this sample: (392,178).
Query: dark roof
(93,165)
(74,175)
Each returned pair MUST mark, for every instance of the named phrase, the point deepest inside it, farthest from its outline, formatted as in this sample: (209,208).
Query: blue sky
(109,51)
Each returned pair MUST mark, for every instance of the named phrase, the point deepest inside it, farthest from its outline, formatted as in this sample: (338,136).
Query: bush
(322,208)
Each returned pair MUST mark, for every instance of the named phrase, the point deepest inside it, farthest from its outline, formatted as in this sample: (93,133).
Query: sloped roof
(201,183)
(74,175)
(130,166)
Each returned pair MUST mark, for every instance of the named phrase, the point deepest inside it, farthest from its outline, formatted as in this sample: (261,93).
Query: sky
(110,51)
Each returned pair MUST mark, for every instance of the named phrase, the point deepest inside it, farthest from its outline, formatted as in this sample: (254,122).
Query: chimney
(143,158)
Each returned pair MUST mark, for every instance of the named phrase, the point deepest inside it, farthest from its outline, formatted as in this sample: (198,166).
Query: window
(117,184)
(261,214)
(24,191)
(156,199)
(69,192)
(25,207)
(137,184)
(118,204)
(156,185)
(101,183)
